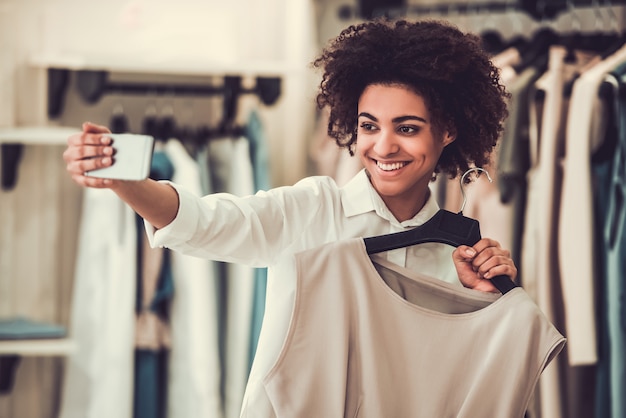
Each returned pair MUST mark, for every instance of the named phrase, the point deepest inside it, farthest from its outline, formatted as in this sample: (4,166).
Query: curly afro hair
(448,68)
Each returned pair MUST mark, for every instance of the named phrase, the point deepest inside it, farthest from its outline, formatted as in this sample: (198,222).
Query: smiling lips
(390,166)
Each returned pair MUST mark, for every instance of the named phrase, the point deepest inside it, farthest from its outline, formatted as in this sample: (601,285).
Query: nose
(386,143)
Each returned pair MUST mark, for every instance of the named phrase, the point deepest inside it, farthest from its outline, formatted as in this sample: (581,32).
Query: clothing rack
(93,84)
(537,9)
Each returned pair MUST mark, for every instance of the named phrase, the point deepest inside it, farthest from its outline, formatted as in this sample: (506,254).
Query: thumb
(92,128)
(463,253)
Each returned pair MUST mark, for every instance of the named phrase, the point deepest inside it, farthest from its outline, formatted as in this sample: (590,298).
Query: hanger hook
(462,182)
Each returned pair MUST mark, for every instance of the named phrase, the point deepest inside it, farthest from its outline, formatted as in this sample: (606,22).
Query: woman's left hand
(477,264)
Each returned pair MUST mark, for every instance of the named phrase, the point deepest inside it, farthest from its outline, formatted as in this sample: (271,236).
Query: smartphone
(132,158)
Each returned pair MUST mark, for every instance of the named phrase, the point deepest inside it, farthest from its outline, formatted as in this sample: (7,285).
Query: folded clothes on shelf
(20,328)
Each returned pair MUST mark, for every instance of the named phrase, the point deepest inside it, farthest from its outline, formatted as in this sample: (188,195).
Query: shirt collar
(358,197)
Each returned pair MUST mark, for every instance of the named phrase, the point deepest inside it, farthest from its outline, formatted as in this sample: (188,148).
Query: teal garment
(602,166)
(150,374)
(259,152)
(615,241)
(601,169)
(150,384)
(259,157)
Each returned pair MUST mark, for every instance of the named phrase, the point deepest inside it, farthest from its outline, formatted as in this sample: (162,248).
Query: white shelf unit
(37,347)
(37,135)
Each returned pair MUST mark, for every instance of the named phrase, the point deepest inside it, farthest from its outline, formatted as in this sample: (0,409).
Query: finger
(485,243)
(464,253)
(496,266)
(488,253)
(93,128)
(86,140)
(83,165)
(479,262)
(73,153)
(501,270)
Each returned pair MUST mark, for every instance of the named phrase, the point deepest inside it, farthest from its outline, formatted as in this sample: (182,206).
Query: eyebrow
(394,120)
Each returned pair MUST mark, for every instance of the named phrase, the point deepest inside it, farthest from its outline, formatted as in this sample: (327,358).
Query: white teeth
(390,166)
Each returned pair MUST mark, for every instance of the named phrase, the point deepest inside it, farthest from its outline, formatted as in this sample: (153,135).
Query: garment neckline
(494,300)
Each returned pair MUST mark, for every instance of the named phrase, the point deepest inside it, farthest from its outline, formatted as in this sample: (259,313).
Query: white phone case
(131,160)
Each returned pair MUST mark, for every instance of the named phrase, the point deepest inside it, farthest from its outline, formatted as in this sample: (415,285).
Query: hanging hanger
(188,135)
(119,122)
(230,106)
(616,37)
(609,92)
(601,39)
(535,53)
(606,39)
(444,227)
(491,38)
(167,127)
(149,124)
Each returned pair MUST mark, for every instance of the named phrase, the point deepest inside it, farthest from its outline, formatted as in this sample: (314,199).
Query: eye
(408,129)
(367,126)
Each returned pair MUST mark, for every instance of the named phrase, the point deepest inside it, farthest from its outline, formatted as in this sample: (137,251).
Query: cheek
(361,154)
(427,152)
(361,145)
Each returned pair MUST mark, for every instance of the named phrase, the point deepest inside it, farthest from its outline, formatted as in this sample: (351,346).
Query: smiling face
(398,147)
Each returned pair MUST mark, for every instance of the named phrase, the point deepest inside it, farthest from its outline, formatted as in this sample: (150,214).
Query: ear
(448,138)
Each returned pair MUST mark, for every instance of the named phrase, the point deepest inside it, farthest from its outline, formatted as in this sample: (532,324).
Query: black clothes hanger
(604,43)
(119,122)
(609,92)
(150,123)
(536,51)
(492,41)
(520,42)
(166,126)
(607,35)
(444,227)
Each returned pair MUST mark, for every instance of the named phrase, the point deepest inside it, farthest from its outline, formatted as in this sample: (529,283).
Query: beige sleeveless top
(369,338)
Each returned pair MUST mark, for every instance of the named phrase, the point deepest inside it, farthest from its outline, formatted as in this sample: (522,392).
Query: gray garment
(373,339)
(513,157)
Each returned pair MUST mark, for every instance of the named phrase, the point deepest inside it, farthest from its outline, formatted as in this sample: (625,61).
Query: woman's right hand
(156,202)
(86,151)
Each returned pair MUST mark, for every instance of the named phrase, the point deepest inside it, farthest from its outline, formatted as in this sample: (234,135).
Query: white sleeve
(252,230)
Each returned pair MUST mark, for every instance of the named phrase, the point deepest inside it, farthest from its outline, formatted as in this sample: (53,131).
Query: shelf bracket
(57,88)
(11,155)
(8,367)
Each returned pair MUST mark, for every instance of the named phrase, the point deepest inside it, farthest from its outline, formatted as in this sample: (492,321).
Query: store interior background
(160,41)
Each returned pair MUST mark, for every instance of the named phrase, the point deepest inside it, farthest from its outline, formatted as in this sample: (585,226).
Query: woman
(411,100)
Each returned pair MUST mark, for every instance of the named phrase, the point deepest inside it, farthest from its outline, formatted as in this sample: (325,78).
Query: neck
(402,211)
